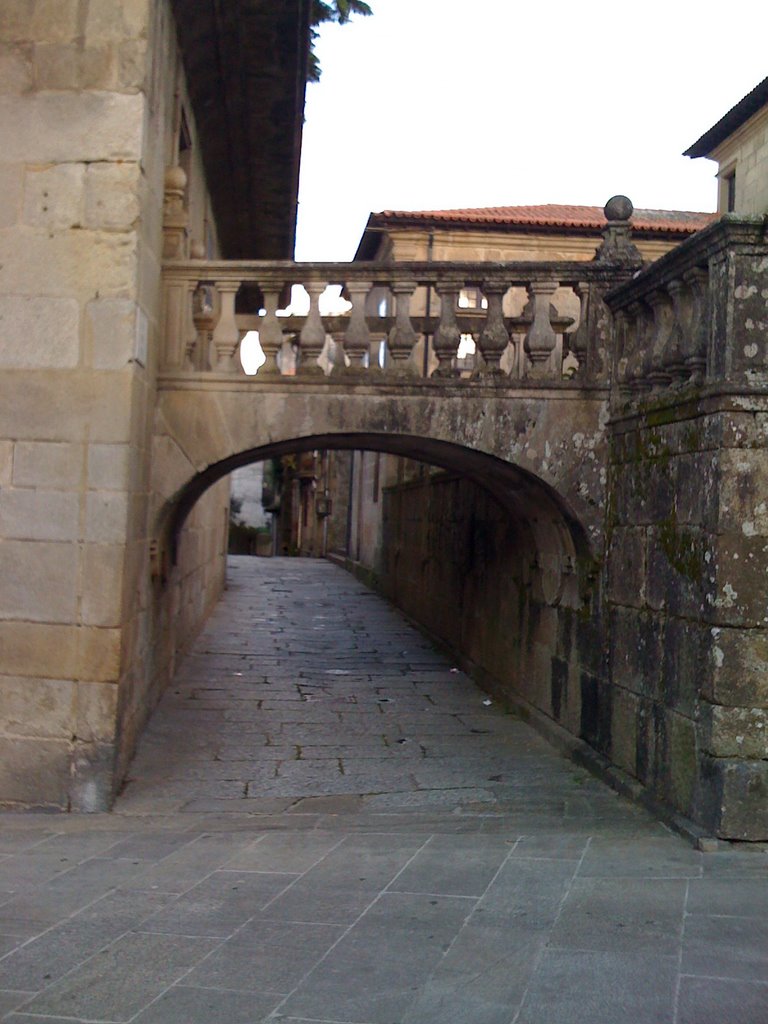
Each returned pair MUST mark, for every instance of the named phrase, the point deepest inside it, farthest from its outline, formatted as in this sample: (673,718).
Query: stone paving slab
(286,857)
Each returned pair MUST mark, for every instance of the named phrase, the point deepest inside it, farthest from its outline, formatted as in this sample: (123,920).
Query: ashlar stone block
(48,405)
(39,331)
(52,127)
(38,649)
(635,651)
(107,21)
(679,772)
(6,462)
(735,732)
(56,66)
(96,712)
(98,654)
(15,68)
(47,464)
(36,707)
(16,20)
(11,192)
(111,332)
(739,596)
(743,803)
(55,20)
(102,584)
(77,263)
(743,495)
(626,567)
(35,772)
(39,581)
(109,466)
(624,714)
(36,514)
(738,670)
(106,516)
(131,63)
(112,195)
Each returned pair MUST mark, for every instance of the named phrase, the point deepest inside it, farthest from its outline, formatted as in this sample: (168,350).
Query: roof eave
(730,122)
(246,70)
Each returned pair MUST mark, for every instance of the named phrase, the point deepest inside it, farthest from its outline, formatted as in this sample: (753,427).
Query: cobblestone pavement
(327,823)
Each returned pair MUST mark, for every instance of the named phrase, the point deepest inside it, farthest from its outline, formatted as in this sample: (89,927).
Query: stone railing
(697,316)
(533,321)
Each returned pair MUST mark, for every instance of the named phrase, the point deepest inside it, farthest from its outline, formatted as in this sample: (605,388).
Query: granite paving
(328,823)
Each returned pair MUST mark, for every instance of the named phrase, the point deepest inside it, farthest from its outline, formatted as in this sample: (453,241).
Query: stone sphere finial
(175,178)
(618,208)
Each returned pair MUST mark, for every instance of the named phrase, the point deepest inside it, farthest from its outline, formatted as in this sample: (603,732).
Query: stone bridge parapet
(530,321)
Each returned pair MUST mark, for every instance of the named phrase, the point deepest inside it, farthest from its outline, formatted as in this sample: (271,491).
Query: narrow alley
(326,822)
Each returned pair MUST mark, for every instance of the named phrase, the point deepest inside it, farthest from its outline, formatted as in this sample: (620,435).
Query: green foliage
(339,11)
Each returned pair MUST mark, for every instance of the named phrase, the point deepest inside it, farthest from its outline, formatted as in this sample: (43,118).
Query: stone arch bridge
(612,415)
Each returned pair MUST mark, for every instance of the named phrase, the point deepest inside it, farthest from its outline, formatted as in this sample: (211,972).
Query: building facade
(739,144)
(122,145)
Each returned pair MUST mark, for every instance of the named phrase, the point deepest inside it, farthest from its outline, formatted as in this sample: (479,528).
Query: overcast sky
(438,104)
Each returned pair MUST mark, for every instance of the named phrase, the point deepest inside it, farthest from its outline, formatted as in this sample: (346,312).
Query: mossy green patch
(683,547)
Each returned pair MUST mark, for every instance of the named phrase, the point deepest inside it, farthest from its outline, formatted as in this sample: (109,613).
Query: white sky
(438,104)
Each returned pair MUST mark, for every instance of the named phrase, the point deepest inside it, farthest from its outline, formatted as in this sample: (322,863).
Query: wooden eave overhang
(246,68)
(730,122)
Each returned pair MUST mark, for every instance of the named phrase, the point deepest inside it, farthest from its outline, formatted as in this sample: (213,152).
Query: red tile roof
(552,215)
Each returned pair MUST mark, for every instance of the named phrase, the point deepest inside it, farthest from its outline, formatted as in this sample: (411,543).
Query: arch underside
(541,455)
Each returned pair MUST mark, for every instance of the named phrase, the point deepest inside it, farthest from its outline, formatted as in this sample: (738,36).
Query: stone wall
(88,118)
(687,599)
(473,574)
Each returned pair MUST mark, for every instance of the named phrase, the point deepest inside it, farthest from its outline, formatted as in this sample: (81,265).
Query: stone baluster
(357,339)
(402,337)
(638,361)
(674,354)
(696,342)
(312,336)
(445,343)
(541,340)
(578,340)
(226,336)
(624,326)
(645,334)
(190,328)
(494,337)
(270,329)
(192,348)
(203,319)
(659,302)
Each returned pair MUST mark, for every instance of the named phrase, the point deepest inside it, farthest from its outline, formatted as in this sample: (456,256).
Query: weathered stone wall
(687,595)
(474,575)
(88,120)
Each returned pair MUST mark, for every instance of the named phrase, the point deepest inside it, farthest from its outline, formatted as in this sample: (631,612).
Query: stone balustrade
(531,322)
(695,317)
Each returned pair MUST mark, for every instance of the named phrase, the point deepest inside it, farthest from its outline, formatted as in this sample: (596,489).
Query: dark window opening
(730,193)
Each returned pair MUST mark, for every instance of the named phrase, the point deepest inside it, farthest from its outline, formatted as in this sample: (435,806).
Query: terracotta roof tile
(554,215)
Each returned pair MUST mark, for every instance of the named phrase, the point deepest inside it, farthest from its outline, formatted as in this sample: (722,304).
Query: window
(472,298)
(727,190)
(730,192)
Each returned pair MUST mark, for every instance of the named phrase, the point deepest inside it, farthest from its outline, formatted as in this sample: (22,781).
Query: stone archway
(517,588)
